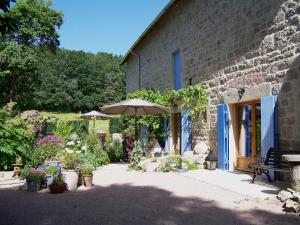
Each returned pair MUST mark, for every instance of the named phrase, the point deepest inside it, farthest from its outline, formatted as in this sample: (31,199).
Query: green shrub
(95,157)
(137,155)
(64,130)
(114,150)
(52,170)
(86,170)
(49,147)
(16,138)
(70,160)
(115,125)
(190,165)
(50,127)
(58,180)
(80,127)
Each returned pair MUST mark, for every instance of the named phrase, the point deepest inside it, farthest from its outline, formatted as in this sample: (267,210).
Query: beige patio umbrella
(94,115)
(135,107)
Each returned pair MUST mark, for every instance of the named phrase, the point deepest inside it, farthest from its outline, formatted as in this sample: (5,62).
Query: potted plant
(34,178)
(87,173)
(58,185)
(51,172)
(70,162)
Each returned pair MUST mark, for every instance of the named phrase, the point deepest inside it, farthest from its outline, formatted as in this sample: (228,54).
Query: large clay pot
(88,180)
(57,188)
(71,179)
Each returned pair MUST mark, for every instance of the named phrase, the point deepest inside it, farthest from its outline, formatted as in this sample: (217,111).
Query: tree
(34,24)
(78,81)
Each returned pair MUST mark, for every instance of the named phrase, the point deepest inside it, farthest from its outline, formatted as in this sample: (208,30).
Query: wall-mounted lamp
(241,92)
(190,81)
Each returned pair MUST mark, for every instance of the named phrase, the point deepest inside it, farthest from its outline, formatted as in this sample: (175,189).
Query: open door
(223,137)
(186,137)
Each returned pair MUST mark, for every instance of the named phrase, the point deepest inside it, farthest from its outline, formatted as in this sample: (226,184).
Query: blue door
(186,137)
(269,132)
(223,137)
(268,123)
(177,70)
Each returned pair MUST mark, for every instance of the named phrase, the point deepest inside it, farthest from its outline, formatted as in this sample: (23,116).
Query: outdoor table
(294,162)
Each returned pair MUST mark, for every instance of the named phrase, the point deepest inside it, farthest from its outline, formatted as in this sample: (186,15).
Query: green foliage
(35,175)
(16,138)
(70,160)
(86,170)
(114,150)
(115,125)
(26,25)
(58,180)
(64,130)
(78,81)
(80,127)
(137,155)
(190,165)
(52,170)
(95,156)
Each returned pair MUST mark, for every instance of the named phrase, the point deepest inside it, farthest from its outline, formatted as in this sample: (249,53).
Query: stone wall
(227,45)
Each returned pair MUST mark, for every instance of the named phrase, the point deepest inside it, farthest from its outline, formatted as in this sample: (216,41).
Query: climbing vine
(193,98)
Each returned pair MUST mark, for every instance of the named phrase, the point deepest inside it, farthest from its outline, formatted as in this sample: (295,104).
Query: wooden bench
(272,162)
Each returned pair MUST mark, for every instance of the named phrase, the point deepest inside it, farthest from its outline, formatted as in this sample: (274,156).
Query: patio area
(129,197)
(239,182)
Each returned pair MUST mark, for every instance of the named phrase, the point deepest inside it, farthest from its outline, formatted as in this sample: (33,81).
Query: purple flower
(50,139)
(39,128)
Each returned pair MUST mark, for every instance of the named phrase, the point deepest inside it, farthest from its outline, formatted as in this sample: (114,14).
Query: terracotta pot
(57,188)
(71,179)
(88,180)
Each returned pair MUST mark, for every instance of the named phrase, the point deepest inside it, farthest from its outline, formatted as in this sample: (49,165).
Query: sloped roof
(148,29)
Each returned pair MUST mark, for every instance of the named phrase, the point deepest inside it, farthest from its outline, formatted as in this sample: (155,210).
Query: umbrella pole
(93,125)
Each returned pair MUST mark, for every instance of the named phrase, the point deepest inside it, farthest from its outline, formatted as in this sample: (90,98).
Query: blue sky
(105,25)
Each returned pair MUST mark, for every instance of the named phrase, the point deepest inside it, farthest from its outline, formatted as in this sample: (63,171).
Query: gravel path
(134,198)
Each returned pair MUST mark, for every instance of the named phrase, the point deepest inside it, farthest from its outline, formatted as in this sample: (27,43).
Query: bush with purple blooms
(35,175)
(49,147)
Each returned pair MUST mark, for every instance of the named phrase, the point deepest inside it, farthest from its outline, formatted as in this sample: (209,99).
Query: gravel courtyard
(136,198)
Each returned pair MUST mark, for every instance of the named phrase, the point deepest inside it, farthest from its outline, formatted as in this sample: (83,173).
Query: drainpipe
(139,66)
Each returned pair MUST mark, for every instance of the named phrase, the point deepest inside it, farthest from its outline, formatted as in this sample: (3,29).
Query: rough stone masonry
(227,45)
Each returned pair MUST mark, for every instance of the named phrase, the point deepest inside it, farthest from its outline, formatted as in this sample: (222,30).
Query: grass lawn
(102,125)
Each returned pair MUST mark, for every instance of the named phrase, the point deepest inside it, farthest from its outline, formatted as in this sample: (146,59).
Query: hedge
(115,125)
(79,126)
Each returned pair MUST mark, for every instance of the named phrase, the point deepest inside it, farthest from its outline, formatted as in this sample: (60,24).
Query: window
(177,70)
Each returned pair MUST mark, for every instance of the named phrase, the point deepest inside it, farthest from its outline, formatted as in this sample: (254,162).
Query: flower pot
(71,179)
(57,188)
(33,186)
(88,180)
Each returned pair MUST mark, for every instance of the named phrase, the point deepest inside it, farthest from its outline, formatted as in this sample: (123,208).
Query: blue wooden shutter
(186,137)
(177,65)
(268,124)
(247,129)
(166,134)
(223,137)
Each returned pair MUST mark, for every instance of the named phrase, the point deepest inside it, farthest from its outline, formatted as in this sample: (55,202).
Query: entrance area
(248,131)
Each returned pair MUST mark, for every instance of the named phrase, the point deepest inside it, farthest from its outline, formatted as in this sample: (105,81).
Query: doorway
(177,133)
(248,131)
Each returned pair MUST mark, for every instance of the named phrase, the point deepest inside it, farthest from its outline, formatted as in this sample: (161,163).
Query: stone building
(247,55)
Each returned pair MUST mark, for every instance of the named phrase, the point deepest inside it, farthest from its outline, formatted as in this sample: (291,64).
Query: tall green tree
(78,81)
(34,24)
